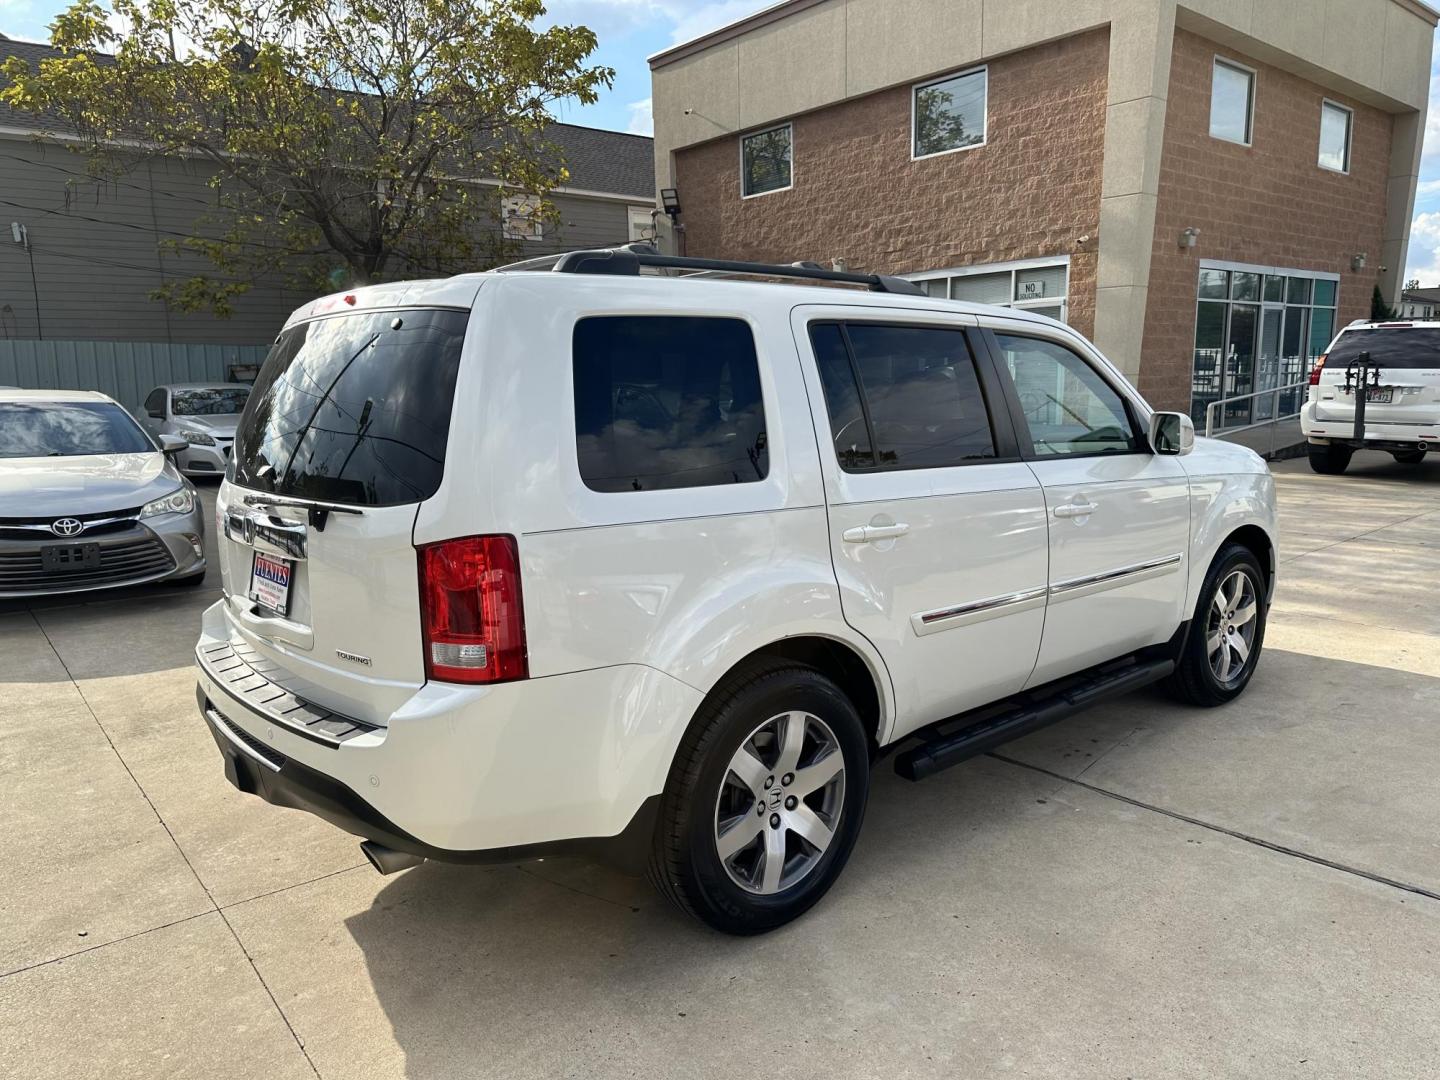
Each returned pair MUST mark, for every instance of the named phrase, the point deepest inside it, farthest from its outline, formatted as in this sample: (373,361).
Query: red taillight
(1315,371)
(474,618)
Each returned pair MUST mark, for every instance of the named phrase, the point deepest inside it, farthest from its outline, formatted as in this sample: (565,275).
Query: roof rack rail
(627,261)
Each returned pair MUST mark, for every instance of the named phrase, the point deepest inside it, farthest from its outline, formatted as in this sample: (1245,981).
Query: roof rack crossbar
(628,261)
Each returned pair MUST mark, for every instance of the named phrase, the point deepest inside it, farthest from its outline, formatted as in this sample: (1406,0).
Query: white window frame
(513,205)
(1014,268)
(642,216)
(1235,65)
(766,131)
(914,112)
(1327,103)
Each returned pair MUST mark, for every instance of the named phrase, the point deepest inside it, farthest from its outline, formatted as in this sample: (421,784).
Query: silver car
(88,500)
(204,415)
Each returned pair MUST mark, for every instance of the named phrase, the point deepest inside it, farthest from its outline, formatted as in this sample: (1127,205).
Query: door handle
(1075,510)
(865,534)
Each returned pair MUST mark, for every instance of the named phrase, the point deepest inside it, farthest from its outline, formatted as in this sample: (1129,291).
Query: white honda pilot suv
(634,559)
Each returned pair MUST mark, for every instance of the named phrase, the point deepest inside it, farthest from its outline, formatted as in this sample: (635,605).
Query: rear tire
(805,757)
(1330,460)
(1227,632)
(1408,457)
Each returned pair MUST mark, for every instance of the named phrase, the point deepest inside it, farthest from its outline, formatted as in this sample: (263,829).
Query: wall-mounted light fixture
(839,264)
(670,201)
(1189,237)
(1357,261)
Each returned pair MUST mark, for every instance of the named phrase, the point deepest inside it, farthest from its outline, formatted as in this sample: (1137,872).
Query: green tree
(347,140)
(1380,311)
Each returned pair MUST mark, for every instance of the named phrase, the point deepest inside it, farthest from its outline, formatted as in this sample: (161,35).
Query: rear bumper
(567,763)
(1378,435)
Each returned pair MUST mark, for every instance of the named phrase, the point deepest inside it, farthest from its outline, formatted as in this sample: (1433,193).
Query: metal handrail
(1210,409)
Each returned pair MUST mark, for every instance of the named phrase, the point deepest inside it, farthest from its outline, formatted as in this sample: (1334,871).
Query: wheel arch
(1258,542)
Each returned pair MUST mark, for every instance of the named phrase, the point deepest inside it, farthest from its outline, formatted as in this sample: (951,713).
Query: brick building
(1208,188)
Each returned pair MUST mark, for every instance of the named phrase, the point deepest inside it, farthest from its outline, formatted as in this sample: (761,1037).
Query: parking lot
(1146,890)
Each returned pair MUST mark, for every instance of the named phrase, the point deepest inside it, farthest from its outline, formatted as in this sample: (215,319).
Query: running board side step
(945,744)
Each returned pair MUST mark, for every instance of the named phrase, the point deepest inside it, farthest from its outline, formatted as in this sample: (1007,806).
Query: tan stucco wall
(817,53)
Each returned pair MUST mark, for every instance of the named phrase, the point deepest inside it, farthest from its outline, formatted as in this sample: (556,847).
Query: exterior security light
(1188,237)
(670,200)
(1357,262)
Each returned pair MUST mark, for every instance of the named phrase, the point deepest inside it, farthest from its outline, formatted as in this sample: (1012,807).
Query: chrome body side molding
(1114,579)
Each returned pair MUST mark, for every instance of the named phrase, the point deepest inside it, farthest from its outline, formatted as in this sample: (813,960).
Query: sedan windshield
(68,429)
(210,401)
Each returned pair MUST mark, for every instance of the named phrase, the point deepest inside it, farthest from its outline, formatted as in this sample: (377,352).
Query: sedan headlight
(180,501)
(197,438)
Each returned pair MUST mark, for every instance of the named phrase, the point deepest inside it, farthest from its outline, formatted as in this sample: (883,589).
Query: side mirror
(172,444)
(1172,434)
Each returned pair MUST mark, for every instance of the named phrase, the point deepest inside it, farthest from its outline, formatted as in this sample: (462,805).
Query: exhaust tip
(388,860)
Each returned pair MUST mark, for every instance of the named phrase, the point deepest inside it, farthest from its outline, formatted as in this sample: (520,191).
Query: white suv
(1400,410)
(656,567)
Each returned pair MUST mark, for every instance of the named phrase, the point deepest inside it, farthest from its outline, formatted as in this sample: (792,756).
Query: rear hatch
(343,438)
(1408,358)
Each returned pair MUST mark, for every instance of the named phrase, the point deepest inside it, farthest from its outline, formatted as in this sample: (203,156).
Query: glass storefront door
(1240,361)
(1267,361)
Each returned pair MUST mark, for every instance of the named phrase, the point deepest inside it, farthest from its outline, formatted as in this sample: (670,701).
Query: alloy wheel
(780,803)
(1230,629)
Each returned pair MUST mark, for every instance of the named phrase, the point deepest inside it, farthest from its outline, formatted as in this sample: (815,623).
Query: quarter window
(1232,102)
(667,402)
(1069,408)
(1336,123)
(766,161)
(950,113)
(901,397)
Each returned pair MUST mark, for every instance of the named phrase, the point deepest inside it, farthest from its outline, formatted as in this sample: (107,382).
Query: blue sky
(631,30)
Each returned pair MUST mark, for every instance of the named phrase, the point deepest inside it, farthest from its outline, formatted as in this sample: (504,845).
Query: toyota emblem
(67,527)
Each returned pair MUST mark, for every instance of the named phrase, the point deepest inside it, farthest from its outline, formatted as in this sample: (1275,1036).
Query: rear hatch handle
(318,511)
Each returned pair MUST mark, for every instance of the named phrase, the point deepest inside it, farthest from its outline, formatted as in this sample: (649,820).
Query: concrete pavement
(1146,890)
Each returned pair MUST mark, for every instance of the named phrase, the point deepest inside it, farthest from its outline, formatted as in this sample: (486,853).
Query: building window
(520,218)
(1336,122)
(766,161)
(1257,328)
(1232,102)
(949,114)
(642,224)
(1038,285)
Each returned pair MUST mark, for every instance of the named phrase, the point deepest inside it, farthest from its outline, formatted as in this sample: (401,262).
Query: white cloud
(642,120)
(1424,260)
(684,19)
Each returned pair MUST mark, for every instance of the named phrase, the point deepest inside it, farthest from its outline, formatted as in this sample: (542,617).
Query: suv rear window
(667,402)
(1396,347)
(354,408)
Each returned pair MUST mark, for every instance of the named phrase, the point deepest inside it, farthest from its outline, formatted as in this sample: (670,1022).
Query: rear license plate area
(60,558)
(270,580)
(1383,395)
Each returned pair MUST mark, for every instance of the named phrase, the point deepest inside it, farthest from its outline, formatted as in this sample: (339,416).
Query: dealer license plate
(270,582)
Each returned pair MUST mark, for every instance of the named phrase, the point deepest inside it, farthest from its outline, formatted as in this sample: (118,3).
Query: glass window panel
(1068,407)
(1299,291)
(1040,283)
(939,288)
(1214,284)
(1232,92)
(1245,286)
(1274,289)
(1322,329)
(1335,137)
(842,398)
(1325,293)
(1240,361)
(667,402)
(923,395)
(950,115)
(765,157)
(982,288)
(1209,349)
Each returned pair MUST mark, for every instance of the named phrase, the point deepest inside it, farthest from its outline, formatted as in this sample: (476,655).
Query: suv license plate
(270,582)
(58,558)
(1383,395)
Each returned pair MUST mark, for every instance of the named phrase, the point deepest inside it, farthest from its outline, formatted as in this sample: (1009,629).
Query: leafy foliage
(346,140)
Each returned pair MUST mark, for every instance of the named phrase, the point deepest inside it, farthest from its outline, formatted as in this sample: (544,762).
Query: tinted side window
(354,408)
(155,403)
(1069,408)
(667,402)
(923,405)
(842,398)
